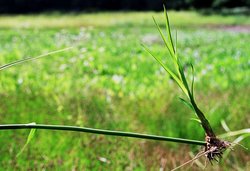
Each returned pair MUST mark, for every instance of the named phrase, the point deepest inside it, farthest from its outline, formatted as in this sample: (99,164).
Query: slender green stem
(31,58)
(99,131)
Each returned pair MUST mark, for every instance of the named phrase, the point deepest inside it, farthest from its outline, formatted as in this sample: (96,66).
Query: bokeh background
(108,81)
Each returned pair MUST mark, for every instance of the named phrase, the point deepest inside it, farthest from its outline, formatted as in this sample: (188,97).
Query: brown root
(215,148)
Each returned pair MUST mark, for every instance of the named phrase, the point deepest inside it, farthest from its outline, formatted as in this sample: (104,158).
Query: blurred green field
(108,81)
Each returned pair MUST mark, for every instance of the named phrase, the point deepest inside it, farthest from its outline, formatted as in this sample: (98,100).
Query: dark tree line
(26,6)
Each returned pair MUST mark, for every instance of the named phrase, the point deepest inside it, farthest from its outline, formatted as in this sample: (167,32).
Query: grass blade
(192,84)
(188,104)
(168,29)
(32,58)
(235,133)
(196,120)
(236,142)
(176,54)
(169,47)
(184,81)
(31,135)
(178,81)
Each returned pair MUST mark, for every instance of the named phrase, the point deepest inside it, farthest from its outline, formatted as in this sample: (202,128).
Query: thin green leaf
(168,29)
(31,58)
(176,55)
(31,135)
(178,81)
(236,142)
(192,84)
(195,119)
(169,47)
(244,133)
(184,81)
(235,133)
(225,126)
(188,104)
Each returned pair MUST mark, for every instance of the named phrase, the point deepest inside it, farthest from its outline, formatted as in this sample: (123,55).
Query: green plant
(214,147)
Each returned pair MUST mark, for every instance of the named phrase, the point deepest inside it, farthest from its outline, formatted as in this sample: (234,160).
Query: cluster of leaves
(180,77)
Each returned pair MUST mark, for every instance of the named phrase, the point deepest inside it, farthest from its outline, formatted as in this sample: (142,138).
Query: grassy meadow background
(108,81)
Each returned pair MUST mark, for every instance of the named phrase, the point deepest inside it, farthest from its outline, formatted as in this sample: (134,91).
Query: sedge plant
(214,147)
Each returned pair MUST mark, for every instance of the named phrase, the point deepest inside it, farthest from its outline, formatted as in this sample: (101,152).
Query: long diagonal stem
(100,131)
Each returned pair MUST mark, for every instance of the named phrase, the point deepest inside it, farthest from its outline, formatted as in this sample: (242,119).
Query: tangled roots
(215,148)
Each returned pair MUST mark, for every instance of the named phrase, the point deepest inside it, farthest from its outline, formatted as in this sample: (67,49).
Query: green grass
(108,81)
